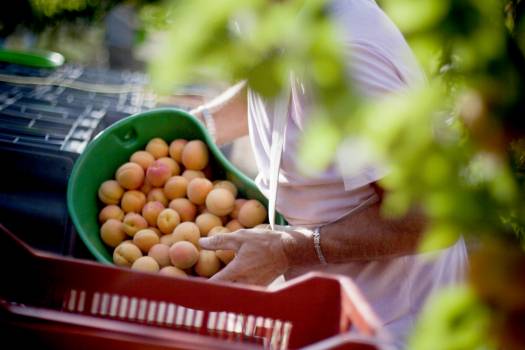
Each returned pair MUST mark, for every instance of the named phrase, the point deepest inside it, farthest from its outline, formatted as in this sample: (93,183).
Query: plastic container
(113,147)
(57,302)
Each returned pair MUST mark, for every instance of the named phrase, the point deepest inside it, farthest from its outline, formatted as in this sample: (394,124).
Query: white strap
(280,118)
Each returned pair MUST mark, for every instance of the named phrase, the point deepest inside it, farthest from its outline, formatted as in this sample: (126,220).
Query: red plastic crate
(66,303)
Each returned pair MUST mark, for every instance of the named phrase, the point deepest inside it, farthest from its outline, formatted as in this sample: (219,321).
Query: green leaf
(438,236)
(453,319)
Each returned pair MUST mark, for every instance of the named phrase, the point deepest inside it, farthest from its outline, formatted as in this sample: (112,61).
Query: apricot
(158,173)
(186,209)
(132,223)
(167,220)
(112,232)
(252,213)
(110,192)
(218,229)
(146,187)
(172,271)
(110,212)
(157,195)
(156,230)
(208,263)
(133,201)
(220,201)
(203,209)
(145,239)
(130,176)
(227,185)
(206,222)
(151,211)
(195,155)
(176,187)
(183,254)
(187,231)
(126,253)
(234,225)
(160,252)
(198,189)
(192,174)
(175,149)
(224,255)
(237,206)
(142,158)
(169,239)
(145,264)
(158,148)
(171,164)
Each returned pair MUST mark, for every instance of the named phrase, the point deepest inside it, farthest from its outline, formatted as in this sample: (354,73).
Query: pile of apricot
(162,201)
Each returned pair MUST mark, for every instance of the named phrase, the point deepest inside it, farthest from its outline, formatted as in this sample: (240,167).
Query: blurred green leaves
(51,8)
(445,142)
(454,147)
(454,319)
(413,16)
(47,15)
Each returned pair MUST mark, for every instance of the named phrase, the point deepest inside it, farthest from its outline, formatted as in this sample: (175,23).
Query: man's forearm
(263,254)
(362,236)
(229,111)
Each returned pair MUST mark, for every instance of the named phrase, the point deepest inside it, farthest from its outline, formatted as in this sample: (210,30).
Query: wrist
(299,247)
(316,234)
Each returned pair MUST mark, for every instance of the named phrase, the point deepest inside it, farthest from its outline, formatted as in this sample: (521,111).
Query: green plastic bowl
(113,147)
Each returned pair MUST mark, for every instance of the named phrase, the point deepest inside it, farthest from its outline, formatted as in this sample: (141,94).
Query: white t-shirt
(380,63)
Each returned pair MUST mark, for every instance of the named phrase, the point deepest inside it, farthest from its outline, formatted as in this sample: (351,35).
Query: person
(345,232)
(121,27)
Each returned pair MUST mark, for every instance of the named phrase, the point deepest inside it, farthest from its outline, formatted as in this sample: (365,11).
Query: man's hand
(260,255)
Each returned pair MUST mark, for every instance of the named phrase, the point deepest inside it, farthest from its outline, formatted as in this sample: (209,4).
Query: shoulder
(375,47)
(363,20)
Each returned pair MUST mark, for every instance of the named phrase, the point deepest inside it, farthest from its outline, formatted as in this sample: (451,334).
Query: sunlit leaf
(412,16)
(437,237)
(453,319)
(318,145)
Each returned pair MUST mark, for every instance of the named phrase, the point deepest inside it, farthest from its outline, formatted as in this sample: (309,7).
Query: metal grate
(58,115)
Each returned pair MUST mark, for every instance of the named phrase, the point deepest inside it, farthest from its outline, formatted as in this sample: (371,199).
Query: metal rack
(53,116)
(47,118)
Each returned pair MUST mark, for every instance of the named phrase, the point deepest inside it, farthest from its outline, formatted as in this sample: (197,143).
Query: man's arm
(263,255)
(230,113)
(362,236)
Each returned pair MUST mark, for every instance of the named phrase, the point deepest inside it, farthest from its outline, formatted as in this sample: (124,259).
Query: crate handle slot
(127,137)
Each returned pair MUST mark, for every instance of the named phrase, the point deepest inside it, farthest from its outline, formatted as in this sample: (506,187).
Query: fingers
(221,241)
(229,274)
(236,272)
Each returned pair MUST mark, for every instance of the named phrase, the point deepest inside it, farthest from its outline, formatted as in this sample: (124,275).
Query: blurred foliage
(448,144)
(455,320)
(64,39)
(40,15)
(37,15)
(57,25)
(487,314)
(455,146)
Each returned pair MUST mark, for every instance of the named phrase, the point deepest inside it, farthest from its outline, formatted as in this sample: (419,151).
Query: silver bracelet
(317,245)
(209,122)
